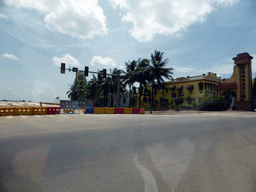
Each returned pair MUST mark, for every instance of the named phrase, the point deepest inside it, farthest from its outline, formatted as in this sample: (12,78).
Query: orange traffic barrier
(109,110)
(23,110)
(6,111)
(39,111)
(67,110)
(99,110)
(127,110)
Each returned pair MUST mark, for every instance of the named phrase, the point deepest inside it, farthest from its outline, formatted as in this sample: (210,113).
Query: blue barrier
(89,109)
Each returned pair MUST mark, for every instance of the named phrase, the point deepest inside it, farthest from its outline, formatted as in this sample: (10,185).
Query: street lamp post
(152,100)
(118,90)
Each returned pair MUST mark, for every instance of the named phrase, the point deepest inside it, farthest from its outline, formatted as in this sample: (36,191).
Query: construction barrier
(109,110)
(99,110)
(127,110)
(89,109)
(135,111)
(6,111)
(119,110)
(23,110)
(51,110)
(67,110)
(39,111)
(56,110)
(142,111)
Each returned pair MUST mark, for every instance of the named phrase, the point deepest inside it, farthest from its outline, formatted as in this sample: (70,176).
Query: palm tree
(72,92)
(129,77)
(121,82)
(92,89)
(157,71)
(110,84)
(142,75)
(77,90)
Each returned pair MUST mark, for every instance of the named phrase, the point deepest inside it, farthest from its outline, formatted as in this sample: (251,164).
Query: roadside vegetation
(141,71)
(145,72)
(209,103)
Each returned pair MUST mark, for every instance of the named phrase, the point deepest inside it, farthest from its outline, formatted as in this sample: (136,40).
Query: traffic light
(62,69)
(86,71)
(74,69)
(104,73)
(99,76)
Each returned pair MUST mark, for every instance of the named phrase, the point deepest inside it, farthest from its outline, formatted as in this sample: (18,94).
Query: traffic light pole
(152,95)
(118,90)
(86,71)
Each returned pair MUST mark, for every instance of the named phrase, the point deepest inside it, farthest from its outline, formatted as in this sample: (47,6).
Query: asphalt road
(185,152)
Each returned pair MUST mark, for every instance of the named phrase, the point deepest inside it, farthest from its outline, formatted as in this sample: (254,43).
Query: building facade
(182,90)
(237,89)
(240,82)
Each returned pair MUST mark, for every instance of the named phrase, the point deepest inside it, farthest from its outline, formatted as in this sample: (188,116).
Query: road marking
(24,116)
(150,182)
(52,116)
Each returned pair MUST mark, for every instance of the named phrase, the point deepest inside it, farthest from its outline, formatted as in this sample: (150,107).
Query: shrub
(184,106)
(211,103)
(194,105)
(164,103)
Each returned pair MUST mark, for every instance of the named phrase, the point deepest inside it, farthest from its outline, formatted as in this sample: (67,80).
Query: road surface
(77,152)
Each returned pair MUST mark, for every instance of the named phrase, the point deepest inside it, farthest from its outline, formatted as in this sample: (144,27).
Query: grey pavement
(178,152)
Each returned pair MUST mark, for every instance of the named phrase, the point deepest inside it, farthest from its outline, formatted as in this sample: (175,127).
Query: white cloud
(226,2)
(40,87)
(3,16)
(221,69)
(151,17)
(183,69)
(253,65)
(123,4)
(106,62)
(43,91)
(82,19)
(9,56)
(68,59)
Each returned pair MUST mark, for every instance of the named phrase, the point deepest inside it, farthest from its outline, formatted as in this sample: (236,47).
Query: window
(201,85)
(124,100)
(180,92)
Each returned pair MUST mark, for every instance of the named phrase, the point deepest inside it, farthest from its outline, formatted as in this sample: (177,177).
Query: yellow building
(183,90)
(187,89)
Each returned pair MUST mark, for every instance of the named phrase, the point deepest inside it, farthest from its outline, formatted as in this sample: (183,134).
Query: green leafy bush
(194,105)
(183,106)
(211,103)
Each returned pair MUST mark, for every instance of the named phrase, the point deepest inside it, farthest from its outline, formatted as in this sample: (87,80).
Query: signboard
(89,108)
(67,104)
(80,76)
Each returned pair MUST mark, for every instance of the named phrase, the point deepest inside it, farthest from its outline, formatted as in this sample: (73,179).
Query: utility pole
(152,102)
(86,72)
(118,90)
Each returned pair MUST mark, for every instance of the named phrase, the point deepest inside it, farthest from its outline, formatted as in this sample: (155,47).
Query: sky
(197,36)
